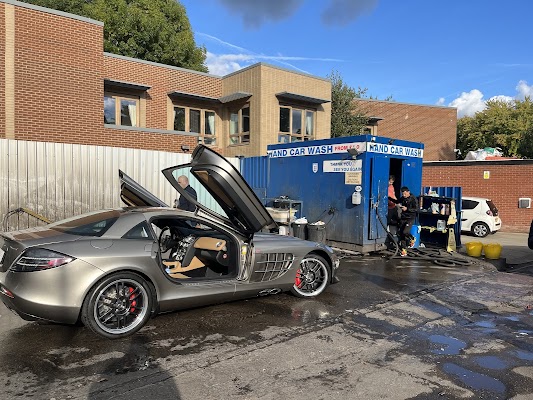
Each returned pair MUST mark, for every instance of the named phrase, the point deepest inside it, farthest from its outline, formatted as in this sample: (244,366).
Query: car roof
(474,198)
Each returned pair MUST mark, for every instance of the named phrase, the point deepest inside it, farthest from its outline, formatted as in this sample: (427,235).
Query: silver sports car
(114,269)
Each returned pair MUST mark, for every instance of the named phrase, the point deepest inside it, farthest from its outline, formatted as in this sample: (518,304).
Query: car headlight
(40,259)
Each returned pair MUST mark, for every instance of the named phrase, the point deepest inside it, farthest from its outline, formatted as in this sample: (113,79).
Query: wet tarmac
(393,329)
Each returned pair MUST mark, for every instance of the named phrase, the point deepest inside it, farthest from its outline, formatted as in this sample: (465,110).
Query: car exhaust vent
(271,266)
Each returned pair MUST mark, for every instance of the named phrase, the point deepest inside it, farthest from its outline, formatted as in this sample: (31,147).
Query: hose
(437,256)
(20,211)
(396,246)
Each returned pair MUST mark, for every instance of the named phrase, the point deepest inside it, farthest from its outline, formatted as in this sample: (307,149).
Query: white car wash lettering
(394,150)
(315,150)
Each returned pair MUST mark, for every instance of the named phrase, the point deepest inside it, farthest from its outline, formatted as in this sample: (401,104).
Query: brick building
(57,83)
(435,126)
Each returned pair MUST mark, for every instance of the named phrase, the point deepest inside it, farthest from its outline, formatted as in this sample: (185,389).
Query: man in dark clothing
(530,238)
(409,207)
(185,204)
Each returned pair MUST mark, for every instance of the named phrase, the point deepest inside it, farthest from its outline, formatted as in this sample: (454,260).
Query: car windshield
(92,224)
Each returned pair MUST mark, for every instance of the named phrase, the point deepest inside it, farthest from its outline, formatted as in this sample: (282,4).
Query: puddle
(473,379)
(445,345)
(485,324)
(513,318)
(491,362)
(524,355)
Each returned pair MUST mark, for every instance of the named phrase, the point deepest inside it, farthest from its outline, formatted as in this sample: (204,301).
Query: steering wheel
(165,239)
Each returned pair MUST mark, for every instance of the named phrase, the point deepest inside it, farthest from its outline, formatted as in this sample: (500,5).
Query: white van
(479,216)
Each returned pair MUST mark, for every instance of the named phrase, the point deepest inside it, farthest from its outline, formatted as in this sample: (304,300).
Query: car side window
(139,231)
(469,204)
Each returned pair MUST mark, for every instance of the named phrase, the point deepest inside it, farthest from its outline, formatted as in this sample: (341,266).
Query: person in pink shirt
(392,214)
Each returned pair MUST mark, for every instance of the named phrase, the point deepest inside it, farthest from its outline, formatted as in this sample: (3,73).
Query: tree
(151,30)
(347,118)
(507,125)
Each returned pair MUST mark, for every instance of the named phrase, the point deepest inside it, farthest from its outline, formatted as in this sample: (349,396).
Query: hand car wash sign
(316,150)
(343,147)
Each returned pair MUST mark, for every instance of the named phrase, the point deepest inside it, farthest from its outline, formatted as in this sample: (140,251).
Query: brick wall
(508,181)
(59,84)
(58,75)
(434,126)
(162,79)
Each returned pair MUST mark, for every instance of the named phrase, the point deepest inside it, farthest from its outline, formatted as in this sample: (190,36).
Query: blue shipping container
(324,175)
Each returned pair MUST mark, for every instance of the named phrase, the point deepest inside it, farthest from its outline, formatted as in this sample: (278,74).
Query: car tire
(312,277)
(118,305)
(480,229)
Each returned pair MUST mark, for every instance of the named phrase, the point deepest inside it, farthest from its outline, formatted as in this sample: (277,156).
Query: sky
(457,53)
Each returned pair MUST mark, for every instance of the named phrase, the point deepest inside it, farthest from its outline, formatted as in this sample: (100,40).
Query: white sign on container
(342,166)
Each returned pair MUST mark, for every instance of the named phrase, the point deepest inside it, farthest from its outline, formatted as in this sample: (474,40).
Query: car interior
(190,250)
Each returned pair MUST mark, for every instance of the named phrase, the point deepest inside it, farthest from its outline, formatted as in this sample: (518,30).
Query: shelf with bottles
(435,205)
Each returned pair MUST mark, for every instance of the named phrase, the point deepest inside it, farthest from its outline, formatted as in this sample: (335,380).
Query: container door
(379,181)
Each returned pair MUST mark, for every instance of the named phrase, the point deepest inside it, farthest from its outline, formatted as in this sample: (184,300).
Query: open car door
(226,186)
(134,194)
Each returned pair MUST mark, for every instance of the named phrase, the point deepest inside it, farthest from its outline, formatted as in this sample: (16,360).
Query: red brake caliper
(133,302)
(298,280)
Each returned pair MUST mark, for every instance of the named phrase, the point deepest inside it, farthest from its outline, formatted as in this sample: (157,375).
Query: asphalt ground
(392,328)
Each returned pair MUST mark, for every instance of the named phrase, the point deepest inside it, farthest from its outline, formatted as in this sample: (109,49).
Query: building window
(197,121)
(239,126)
(179,119)
(209,129)
(121,109)
(296,124)
(194,121)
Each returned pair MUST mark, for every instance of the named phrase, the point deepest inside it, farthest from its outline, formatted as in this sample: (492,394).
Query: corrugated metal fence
(59,180)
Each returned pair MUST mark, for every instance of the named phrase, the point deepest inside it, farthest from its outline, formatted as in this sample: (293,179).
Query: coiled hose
(437,256)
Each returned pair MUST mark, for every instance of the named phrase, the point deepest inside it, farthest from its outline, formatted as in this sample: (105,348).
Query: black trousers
(404,232)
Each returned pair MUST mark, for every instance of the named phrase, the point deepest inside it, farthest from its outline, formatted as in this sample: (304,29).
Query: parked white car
(479,216)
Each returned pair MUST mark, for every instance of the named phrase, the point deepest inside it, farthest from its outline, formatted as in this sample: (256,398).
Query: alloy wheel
(312,277)
(121,306)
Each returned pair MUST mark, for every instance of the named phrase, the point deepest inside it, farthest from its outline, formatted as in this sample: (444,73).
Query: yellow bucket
(473,249)
(492,250)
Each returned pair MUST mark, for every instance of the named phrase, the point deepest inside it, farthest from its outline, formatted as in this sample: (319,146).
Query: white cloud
(524,90)
(469,103)
(441,101)
(502,97)
(220,65)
